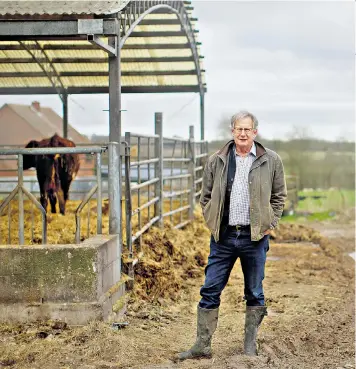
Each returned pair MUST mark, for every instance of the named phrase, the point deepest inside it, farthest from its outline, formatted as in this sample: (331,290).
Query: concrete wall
(75,283)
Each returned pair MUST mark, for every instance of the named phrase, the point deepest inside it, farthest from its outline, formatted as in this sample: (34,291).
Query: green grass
(324,208)
(300,217)
(331,200)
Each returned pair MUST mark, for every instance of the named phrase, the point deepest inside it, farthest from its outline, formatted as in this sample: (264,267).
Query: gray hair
(244,114)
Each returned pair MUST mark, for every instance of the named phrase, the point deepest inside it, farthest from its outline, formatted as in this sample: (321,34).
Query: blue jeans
(232,245)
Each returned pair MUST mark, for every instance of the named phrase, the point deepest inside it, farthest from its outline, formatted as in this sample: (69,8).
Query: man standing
(242,198)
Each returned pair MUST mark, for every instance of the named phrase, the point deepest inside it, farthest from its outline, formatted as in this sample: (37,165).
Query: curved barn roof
(159,48)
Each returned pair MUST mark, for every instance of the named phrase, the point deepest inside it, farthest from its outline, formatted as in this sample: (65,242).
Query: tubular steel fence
(160,181)
(167,172)
(20,190)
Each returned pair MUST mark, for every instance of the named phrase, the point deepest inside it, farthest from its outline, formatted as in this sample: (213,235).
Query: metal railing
(20,190)
(169,179)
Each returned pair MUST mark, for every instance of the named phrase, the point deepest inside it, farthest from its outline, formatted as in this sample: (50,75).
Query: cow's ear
(32,143)
(29,161)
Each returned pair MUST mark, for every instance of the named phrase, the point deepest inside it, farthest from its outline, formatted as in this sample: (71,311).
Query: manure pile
(167,258)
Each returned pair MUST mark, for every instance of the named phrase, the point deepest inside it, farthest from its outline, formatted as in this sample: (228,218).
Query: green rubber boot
(207,321)
(253,319)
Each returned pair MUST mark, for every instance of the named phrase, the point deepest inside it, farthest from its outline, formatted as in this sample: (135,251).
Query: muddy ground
(309,287)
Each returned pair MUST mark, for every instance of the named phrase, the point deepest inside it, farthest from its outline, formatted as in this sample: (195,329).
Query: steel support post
(192,173)
(115,171)
(65,114)
(159,168)
(202,123)
(115,136)
(20,199)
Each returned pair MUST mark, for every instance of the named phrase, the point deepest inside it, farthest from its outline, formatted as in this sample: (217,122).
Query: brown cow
(54,172)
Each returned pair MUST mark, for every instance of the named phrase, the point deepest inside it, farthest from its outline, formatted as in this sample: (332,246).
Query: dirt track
(309,290)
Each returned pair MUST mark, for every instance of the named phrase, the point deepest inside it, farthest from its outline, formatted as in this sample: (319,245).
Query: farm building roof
(159,55)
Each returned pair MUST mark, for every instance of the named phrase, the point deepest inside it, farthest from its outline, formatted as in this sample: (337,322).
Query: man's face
(243,133)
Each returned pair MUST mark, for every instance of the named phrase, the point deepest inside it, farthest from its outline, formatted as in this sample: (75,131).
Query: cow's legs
(53,201)
(61,201)
(43,196)
(65,184)
(44,201)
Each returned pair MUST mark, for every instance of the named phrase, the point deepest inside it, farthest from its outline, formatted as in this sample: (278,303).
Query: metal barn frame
(40,28)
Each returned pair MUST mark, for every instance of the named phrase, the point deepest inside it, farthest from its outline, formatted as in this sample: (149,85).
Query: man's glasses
(239,130)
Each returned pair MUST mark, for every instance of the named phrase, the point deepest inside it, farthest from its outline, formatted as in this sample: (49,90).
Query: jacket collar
(223,152)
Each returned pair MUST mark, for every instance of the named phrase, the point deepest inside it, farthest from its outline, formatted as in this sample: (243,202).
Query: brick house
(20,124)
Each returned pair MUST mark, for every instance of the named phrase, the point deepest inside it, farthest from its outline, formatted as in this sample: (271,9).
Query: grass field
(322,205)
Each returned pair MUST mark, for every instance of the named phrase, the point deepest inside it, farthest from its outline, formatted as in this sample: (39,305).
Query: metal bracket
(89,26)
(95,40)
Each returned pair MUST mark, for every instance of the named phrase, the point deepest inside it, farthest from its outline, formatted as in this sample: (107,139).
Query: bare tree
(224,130)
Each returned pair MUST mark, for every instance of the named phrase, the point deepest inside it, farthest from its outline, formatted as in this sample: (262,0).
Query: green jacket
(267,188)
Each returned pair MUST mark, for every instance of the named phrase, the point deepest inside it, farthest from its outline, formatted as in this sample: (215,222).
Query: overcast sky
(289,62)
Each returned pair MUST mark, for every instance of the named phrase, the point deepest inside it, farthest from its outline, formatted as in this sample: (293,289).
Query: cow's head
(29,161)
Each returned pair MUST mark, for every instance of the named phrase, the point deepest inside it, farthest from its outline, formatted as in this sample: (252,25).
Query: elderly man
(242,198)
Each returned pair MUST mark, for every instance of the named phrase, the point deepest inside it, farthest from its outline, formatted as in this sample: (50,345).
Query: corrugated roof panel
(159,53)
(20,67)
(136,67)
(160,81)
(158,28)
(85,81)
(157,40)
(61,7)
(97,53)
(75,57)
(101,81)
(24,82)
(82,67)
